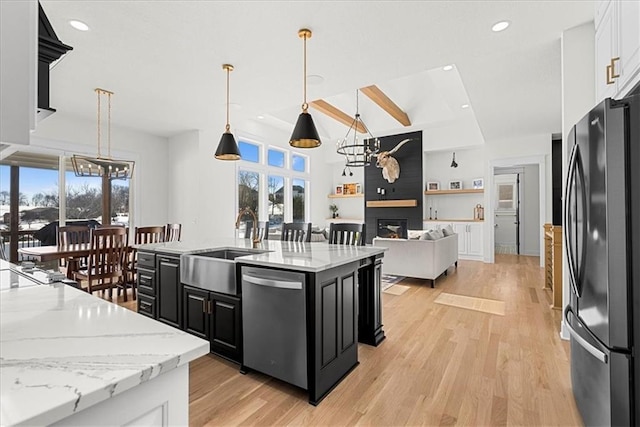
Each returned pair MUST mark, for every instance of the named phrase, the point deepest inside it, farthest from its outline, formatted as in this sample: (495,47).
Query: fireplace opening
(392,228)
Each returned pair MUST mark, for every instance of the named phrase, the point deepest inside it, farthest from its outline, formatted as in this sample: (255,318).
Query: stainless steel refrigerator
(602,240)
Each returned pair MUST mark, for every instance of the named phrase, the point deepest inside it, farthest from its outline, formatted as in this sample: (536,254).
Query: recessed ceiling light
(448,67)
(260,117)
(465,105)
(79,25)
(314,79)
(500,26)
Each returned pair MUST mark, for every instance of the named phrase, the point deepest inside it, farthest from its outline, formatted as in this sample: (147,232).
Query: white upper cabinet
(617,44)
(18,70)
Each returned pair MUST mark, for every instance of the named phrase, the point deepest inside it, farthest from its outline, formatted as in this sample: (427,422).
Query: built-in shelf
(452,220)
(344,196)
(408,203)
(469,191)
(345,219)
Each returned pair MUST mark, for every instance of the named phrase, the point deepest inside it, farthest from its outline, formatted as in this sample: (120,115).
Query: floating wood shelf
(408,203)
(469,191)
(345,219)
(341,196)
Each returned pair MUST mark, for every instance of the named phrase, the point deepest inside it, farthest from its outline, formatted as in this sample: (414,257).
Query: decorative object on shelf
(478,212)
(350,188)
(334,210)
(227,147)
(344,171)
(478,183)
(430,217)
(433,186)
(381,193)
(455,185)
(436,217)
(305,134)
(358,189)
(454,164)
(339,189)
(100,166)
(358,153)
(389,165)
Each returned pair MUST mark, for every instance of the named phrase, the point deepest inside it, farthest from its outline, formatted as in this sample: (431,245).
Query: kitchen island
(337,307)
(71,358)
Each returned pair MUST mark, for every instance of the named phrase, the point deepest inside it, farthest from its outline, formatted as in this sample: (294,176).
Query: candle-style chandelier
(100,166)
(357,152)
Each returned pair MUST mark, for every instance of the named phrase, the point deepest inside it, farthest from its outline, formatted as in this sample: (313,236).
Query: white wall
(437,167)
(67,135)
(578,97)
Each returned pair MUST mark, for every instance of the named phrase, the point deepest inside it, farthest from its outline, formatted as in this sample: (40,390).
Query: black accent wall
(409,185)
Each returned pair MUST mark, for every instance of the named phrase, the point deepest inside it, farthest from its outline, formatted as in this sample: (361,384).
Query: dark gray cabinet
(216,318)
(168,292)
(370,306)
(146,281)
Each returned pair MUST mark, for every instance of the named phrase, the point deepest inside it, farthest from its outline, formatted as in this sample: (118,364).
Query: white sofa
(425,259)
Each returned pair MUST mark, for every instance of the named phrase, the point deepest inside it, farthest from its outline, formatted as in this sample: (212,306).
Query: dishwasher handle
(282,284)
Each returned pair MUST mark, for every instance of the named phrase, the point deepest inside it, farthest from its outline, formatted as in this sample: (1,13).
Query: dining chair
(262,230)
(173,232)
(69,235)
(105,265)
(346,234)
(296,232)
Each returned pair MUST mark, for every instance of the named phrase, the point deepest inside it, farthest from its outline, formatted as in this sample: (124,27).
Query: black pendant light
(305,134)
(454,164)
(227,147)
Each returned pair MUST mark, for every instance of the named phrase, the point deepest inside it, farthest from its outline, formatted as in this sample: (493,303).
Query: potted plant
(334,210)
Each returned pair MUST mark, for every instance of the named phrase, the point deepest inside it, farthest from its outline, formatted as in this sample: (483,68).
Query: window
(274,183)
(276,158)
(275,186)
(249,152)
(248,195)
(297,190)
(298,163)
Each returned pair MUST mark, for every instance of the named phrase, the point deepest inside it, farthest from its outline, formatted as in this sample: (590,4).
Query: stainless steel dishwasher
(274,323)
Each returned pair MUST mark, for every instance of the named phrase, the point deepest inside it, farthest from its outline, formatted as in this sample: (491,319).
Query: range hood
(50,49)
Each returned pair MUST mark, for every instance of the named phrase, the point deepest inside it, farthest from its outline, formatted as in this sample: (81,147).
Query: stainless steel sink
(214,271)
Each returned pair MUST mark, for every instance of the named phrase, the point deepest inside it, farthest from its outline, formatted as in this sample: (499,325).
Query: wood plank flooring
(439,365)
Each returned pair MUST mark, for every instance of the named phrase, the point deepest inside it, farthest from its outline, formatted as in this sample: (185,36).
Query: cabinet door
(474,239)
(461,231)
(168,290)
(628,45)
(195,311)
(606,42)
(225,333)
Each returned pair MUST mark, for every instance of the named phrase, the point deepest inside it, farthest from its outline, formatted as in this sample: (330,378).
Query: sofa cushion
(429,235)
(448,230)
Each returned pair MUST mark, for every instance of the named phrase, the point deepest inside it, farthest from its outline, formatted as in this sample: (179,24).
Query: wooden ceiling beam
(379,97)
(336,114)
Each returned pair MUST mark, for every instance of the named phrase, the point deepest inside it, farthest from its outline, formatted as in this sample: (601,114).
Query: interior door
(506,213)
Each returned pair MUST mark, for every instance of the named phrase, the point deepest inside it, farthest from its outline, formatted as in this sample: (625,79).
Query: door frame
(541,161)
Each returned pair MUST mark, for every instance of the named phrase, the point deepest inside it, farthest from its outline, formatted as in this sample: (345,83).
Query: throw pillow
(438,234)
(448,230)
(427,236)
(414,234)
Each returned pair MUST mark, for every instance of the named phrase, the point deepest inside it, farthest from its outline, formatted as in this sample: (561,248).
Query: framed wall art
(433,186)
(455,185)
(478,183)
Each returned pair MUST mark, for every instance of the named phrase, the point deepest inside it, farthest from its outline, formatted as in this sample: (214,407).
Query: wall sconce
(454,164)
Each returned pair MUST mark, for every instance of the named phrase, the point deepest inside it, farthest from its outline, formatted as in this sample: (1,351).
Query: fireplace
(392,228)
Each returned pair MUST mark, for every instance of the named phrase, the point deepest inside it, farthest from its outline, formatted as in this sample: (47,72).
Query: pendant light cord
(98,121)
(109,126)
(227,126)
(305,106)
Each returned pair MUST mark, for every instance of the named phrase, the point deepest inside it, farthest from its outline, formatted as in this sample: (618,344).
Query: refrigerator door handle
(579,261)
(595,352)
(567,225)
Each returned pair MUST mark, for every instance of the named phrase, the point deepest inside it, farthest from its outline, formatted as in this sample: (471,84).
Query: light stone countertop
(311,257)
(63,350)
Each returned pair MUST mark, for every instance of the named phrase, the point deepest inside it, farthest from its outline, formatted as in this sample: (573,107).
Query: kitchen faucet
(256,240)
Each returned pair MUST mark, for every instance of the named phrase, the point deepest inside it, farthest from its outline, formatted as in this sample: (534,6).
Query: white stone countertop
(312,257)
(63,350)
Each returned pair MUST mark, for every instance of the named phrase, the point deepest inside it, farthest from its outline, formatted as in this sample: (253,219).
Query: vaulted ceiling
(163,60)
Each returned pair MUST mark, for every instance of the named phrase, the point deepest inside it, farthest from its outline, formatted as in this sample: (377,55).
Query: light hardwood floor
(439,365)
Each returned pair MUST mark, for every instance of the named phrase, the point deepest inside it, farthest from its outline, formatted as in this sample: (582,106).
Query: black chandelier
(357,152)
